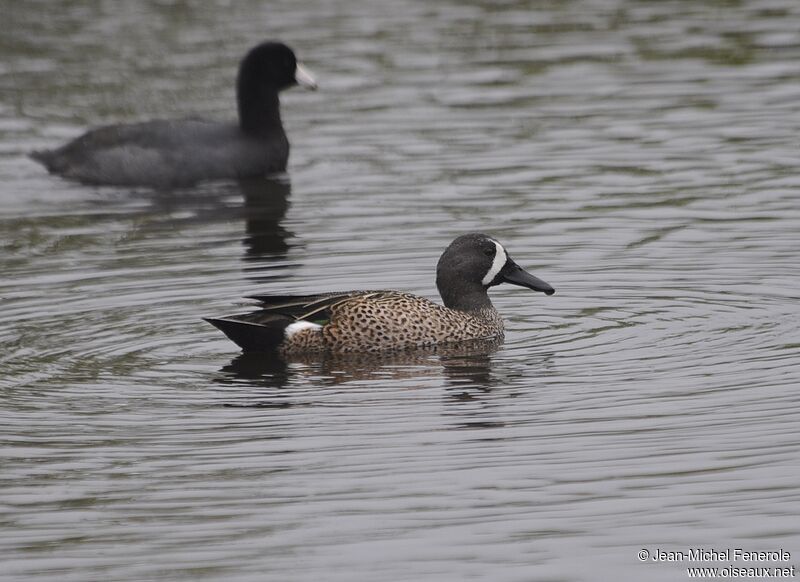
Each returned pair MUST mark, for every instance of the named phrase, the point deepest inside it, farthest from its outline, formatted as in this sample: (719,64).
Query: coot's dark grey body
(182,152)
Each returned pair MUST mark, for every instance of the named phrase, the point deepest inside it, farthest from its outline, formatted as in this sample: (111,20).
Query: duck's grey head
(473,263)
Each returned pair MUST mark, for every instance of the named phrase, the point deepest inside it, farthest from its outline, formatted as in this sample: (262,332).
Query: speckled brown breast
(389,320)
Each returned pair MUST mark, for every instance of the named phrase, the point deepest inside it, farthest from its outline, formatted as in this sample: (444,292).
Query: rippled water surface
(642,157)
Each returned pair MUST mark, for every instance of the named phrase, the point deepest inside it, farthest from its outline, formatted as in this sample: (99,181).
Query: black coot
(181,152)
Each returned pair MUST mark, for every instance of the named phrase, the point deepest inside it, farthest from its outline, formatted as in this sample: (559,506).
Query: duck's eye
(489,252)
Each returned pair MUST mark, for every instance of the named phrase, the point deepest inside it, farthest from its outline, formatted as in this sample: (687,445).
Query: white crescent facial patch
(499,261)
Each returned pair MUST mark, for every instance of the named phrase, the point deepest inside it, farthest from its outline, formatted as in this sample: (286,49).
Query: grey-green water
(640,156)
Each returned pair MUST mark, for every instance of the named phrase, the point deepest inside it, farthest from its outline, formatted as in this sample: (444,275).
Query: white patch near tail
(500,258)
(299,326)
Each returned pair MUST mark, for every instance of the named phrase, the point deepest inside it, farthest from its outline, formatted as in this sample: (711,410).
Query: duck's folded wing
(264,329)
(309,307)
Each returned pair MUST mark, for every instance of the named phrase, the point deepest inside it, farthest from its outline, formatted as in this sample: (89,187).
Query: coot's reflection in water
(260,203)
(465,366)
(266,201)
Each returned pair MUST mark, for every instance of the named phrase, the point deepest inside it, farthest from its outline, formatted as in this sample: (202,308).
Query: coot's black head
(273,65)
(266,70)
(473,263)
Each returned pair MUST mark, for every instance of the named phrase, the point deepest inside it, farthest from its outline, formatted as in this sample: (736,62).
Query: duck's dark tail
(253,332)
(265,329)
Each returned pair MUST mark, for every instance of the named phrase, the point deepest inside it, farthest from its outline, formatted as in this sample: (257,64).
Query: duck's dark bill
(516,275)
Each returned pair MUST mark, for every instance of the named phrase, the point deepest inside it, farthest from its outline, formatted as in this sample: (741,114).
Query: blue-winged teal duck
(373,321)
(179,152)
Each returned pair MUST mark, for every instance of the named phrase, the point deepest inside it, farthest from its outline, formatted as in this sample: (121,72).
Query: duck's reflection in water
(462,366)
